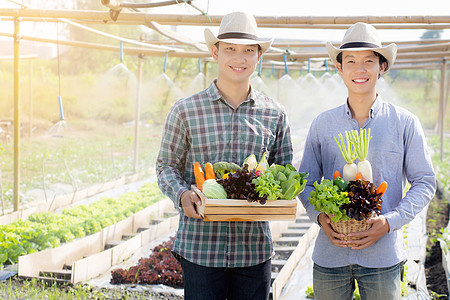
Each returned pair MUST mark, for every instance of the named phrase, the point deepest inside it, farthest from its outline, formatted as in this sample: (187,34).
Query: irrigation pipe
(125,40)
(111,35)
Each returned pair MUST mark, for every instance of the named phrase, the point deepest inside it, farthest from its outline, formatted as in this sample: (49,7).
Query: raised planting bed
(160,267)
(49,230)
(66,199)
(291,241)
(87,257)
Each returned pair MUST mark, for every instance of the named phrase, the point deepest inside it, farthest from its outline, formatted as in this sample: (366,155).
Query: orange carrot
(381,189)
(336,174)
(199,175)
(209,171)
(358,176)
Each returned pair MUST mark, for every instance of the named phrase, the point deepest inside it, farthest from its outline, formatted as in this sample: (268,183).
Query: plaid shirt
(205,128)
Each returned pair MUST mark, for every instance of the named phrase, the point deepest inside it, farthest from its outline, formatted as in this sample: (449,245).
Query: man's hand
(380,227)
(189,200)
(334,237)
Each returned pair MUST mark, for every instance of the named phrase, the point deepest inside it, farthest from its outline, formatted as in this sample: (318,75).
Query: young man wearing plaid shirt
(228,121)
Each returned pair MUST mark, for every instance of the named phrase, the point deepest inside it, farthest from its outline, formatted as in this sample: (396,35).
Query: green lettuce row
(48,230)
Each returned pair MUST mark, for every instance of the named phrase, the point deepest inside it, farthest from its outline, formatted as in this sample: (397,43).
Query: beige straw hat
(361,36)
(237,28)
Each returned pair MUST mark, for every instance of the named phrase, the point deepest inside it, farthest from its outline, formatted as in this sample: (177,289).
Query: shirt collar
(376,106)
(214,93)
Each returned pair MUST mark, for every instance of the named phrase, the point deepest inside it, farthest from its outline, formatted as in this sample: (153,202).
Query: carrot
(336,174)
(199,175)
(358,176)
(209,171)
(381,189)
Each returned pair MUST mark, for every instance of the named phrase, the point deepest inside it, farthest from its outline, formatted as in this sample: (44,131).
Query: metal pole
(16,116)
(442,106)
(137,114)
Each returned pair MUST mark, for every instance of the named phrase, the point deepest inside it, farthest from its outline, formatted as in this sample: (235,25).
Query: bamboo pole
(126,50)
(423,48)
(16,194)
(301,44)
(117,5)
(203,23)
(214,20)
(137,114)
(442,106)
(203,54)
(30,98)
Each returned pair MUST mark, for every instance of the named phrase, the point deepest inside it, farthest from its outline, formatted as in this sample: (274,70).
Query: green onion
(360,142)
(347,151)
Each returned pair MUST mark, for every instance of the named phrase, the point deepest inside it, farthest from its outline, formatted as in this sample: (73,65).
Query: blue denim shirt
(398,153)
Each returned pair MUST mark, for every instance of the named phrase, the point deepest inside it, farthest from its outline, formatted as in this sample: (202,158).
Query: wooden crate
(242,210)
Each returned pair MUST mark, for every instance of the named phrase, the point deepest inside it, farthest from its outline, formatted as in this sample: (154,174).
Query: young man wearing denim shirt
(398,154)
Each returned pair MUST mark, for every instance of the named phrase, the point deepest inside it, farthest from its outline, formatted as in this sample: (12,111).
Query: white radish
(349,154)
(360,142)
(365,168)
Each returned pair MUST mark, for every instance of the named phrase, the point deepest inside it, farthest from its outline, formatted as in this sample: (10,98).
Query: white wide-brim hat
(237,28)
(359,37)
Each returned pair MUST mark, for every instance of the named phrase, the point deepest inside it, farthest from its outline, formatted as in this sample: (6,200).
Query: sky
(280,8)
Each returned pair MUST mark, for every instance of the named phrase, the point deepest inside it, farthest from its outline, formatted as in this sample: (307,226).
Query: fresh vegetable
(358,176)
(263,165)
(239,185)
(381,189)
(360,142)
(349,154)
(291,182)
(214,190)
(341,184)
(199,175)
(223,167)
(251,162)
(267,185)
(45,230)
(209,171)
(336,174)
(329,199)
(161,267)
(359,201)
(364,200)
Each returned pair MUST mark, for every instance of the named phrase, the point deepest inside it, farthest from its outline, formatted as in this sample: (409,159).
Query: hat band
(359,45)
(237,35)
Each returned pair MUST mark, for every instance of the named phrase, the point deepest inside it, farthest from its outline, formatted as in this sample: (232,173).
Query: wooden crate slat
(242,210)
(235,202)
(248,217)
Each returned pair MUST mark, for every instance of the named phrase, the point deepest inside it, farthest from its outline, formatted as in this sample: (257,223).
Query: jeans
(207,283)
(373,283)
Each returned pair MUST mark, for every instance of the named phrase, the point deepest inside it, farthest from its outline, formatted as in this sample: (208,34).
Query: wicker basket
(352,225)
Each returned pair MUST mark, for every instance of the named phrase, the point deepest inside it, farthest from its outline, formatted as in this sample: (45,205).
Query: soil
(437,218)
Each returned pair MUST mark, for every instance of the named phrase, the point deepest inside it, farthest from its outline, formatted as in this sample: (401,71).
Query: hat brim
(389,52)
(211,40)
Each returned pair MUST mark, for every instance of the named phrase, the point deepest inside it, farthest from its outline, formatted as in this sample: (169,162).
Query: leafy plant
(49,230)
(329,199)
(160,267)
